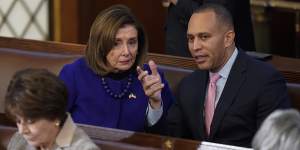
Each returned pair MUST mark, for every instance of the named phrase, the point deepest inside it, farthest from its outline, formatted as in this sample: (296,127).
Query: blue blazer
(253,90)
(89,103)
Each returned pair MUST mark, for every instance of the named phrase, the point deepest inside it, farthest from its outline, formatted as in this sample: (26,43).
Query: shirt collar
(66,134)
(224,72)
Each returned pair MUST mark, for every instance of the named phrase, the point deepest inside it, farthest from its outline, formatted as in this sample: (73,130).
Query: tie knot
(214,77)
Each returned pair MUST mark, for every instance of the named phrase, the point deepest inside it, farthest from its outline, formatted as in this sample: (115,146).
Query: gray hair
(280,131)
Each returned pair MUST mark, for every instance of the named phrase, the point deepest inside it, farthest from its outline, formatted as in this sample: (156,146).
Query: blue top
(89,103)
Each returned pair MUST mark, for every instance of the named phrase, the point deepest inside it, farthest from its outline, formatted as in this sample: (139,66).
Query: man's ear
(229,38)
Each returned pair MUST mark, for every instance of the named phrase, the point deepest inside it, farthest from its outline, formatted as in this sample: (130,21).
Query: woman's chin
(124,68)
(33,143)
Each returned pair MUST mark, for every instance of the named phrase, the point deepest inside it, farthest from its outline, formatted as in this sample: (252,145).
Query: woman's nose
(125,49)
(23,129)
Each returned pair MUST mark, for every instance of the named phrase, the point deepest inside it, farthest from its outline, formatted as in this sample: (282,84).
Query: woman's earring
(57,124)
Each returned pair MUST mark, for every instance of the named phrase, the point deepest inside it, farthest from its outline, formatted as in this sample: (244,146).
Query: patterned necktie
(210,101)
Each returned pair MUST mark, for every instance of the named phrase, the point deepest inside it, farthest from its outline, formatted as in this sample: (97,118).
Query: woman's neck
(50,144)
(120,75)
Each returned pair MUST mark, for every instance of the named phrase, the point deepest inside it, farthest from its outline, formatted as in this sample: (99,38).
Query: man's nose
(197,44)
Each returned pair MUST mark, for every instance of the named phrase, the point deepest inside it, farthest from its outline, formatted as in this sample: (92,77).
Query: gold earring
(57,124)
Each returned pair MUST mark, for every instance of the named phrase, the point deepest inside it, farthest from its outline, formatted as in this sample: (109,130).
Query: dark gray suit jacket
(253,90)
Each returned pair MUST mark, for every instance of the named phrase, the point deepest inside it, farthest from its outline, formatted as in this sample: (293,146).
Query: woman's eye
(18,121)
(116,44)
(133,42)
(30,121)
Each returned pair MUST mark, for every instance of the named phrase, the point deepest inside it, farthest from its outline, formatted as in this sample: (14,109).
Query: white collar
(66,134)
(224,72)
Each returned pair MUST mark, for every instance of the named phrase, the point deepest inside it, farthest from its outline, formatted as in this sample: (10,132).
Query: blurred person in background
(36,100)
(280,131)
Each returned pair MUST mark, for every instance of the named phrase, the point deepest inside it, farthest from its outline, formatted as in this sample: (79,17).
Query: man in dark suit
(180,11)
(246,92)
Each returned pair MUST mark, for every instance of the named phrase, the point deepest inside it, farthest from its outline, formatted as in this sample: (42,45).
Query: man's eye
(190,39)
(204,37)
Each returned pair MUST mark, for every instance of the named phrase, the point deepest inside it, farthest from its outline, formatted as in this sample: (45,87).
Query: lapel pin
(131,96)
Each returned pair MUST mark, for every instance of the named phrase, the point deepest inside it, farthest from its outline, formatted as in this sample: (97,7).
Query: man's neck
(228,54)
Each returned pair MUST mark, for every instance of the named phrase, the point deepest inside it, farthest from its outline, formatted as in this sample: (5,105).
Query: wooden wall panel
(77,17)
(65,20)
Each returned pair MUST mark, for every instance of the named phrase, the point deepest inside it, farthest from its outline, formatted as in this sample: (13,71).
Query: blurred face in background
(123,54)
(38,133)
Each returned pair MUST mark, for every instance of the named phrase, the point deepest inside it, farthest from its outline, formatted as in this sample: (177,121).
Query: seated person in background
(106,88)
(180,11)
(280,131)
(229,96)
(36,99)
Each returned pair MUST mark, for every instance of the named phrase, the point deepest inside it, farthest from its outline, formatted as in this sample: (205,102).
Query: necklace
(113,94)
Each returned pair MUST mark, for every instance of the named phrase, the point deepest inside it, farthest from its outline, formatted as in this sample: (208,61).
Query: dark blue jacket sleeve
(168,99)
(67,75)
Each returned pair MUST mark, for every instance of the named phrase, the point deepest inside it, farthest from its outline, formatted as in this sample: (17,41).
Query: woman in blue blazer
(107,87)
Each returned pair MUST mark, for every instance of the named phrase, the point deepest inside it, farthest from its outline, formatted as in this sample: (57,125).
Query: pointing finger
(139,69)
(153,67)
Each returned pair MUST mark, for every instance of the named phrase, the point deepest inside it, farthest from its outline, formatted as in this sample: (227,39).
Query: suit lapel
(232,86)
(197,104)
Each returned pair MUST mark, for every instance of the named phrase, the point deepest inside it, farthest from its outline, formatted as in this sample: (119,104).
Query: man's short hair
(223,16)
